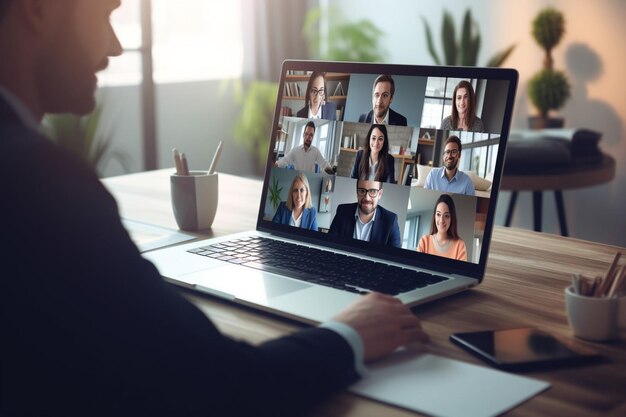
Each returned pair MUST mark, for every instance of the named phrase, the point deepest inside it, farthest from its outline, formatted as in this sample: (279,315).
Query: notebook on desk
(339,216)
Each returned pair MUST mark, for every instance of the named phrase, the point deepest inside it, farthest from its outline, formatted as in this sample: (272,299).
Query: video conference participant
(315,105)
(444,239)
(382,97)
(374,162)
(448,177)
(304,157)
(297,211)
(366,219)
(463,115)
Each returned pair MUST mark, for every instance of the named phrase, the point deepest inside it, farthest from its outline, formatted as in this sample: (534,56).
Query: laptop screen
(397,162)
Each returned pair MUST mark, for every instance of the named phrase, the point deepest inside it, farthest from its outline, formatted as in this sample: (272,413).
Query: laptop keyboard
(317,266)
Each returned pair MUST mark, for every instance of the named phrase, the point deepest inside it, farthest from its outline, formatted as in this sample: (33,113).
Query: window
(197,40)
(192,40)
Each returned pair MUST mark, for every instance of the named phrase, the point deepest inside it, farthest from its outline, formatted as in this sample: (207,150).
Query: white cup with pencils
(596,307)
(194,193)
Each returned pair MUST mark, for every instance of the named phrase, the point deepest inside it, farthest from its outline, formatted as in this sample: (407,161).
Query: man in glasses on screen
(365,219)
(448,177)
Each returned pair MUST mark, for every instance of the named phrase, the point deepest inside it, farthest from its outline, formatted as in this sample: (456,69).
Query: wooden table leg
(537,209)
(511,209)
(560,209)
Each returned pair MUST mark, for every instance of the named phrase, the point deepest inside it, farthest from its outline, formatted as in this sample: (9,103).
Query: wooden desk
(523,286)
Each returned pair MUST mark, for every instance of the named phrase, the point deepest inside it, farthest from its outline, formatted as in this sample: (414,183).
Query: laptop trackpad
(244,283)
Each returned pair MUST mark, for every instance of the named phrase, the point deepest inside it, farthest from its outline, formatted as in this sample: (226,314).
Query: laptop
(330,226)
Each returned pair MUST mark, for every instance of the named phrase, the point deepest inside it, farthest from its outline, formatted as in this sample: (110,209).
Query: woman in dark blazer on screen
(374,163)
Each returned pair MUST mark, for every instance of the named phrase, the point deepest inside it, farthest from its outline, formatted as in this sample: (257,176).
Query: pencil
(216,158)
(183,159)
(177,162)
(610,274)
(617,282)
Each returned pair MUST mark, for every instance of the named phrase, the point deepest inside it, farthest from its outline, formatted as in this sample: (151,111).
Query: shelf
(335,76)
(332,98)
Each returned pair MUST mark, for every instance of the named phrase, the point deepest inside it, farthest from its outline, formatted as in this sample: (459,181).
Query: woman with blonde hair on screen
(444,239)
(298,211)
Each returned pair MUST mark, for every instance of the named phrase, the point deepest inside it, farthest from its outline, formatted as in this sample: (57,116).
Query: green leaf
(429,42)
(448,35)
(498,59)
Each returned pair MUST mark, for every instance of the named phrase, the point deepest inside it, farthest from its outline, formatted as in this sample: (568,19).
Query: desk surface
(523,286)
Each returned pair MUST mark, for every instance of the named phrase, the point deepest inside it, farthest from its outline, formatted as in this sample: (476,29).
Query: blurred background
(195,72)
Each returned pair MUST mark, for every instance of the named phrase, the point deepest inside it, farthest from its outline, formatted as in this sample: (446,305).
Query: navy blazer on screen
(308,221)
(329,111)
(394,118)
(389,174)
(89,327)
(385,230)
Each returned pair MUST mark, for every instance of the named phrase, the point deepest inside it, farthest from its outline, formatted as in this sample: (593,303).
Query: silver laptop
(378,178)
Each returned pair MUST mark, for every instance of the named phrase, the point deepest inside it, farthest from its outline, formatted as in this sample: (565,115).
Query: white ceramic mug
(595,318)
(194,199)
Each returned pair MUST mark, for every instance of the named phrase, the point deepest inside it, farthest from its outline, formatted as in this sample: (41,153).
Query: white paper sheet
(149,237)
(445,387)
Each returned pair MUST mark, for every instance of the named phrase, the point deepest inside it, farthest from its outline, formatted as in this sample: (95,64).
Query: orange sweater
(456,249)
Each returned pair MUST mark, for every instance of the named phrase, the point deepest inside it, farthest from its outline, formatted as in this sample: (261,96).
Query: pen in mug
(177,162)
(183,159)
(216,158)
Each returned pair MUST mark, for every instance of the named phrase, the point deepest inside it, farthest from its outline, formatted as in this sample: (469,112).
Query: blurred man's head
(50,52)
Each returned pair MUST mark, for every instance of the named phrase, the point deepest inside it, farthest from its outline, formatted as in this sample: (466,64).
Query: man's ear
(35,13)
(381,193)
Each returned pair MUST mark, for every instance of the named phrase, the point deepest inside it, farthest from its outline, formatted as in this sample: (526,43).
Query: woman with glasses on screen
(315,104)
(444,239)
(374,163)
(463,115)
(297,211)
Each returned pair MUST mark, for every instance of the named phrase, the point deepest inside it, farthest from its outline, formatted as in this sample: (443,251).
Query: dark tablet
(523,349)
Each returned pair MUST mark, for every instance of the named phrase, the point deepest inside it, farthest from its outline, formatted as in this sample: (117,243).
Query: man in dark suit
(88,325)
(382,97)
(366,219)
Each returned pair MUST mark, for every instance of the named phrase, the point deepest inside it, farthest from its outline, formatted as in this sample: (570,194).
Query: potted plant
(465,51)
(275,191)
(254,123)
(549,88)
(86,138)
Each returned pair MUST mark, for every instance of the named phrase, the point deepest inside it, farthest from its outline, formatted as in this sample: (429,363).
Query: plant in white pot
(549,89)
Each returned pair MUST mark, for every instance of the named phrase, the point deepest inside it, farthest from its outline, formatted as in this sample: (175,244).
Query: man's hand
(383,323)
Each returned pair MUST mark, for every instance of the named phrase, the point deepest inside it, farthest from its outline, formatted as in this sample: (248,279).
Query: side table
(561,178)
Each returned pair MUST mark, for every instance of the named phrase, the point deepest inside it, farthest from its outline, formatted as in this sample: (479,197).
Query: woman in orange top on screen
(443,239)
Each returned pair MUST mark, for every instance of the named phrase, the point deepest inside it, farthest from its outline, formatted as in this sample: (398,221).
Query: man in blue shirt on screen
(448,177)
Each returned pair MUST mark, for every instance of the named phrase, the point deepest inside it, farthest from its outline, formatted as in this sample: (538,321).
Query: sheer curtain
(272,33)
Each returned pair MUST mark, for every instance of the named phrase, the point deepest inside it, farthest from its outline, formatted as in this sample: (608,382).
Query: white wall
(591,53)
(192,117)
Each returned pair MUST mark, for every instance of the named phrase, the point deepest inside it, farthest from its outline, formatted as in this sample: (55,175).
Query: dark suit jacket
(389,175)
(329,111)
(385,230)
(309,217)
(90,328)
(394,118)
